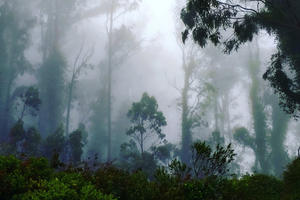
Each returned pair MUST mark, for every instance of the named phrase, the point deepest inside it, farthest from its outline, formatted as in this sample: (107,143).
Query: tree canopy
(207,20)
(145,120)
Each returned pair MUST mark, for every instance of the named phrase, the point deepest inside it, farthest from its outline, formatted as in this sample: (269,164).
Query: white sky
(160,20)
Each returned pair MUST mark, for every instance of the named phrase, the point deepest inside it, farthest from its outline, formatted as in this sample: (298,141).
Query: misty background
(72,50)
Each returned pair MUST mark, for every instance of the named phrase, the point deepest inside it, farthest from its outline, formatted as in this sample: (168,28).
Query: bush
(258,187)
(291,178)
(122,184)
(34,179)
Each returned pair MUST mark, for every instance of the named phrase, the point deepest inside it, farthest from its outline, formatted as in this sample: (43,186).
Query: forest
(150,99)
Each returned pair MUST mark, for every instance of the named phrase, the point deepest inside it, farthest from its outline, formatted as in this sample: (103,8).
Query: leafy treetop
(207,20)
(146,121)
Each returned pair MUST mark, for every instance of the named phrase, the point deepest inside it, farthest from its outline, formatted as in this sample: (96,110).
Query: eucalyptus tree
(121,42)
(146,122)
(81,63)
(259,116)
(191,63)
(206,19)
(148,144)
(280,121)
(270,123)
(31,102)
(117,8)
(55,20)
(15,26)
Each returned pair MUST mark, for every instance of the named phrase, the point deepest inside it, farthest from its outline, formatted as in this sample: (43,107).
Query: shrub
(258,187)
(291,178)
(34,179)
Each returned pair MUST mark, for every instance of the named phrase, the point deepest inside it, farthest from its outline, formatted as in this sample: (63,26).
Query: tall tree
(116,9)
(206,19)
(278,132)
(280,121)
(259,115)
(190,65)
(15,24)
(146,122)
(80,63)
(56,18)
(117,49)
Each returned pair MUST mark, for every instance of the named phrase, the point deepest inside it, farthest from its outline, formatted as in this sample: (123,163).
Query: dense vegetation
(35,178)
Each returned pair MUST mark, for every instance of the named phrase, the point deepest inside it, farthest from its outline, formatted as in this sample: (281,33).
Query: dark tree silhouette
(205,20)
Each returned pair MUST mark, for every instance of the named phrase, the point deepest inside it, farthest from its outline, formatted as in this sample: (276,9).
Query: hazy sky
(160,14)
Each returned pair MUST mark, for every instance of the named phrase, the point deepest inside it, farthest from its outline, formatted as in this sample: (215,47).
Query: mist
(117,81)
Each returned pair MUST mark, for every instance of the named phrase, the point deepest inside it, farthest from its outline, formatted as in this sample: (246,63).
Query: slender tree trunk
(280,120)
(259,117)
(5,125)
(8,79)
(216,113)
(186,137)
(142,144)
(70,96)
(110,35)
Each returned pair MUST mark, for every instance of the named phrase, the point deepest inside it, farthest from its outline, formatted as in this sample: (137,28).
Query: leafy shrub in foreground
(258,187)
(34,179)
(291,178)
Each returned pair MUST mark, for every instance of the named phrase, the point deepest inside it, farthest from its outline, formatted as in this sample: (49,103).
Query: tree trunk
(186,137)
(259,117)
(70,96)
(109,95)
(280,120)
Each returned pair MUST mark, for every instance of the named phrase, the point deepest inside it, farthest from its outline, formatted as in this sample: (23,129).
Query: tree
(291,179)
(52,86)
(55,19)
(280,121)
(54,143)
(190,117)
(16,135)
(206,162)
(117,48)
(116,9)
(205,20)
(147,146)
(98,128)
(259,115)
(76,145)
(31,102)
(146,122)
(80,63)
(31,145)
(15,26)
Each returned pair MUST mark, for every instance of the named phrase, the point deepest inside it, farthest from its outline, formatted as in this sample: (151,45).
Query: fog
(90,62)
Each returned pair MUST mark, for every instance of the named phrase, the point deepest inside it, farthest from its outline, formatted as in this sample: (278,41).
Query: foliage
(32,142)
(16,135)
(30,100)
(243,136)
(15,27)
(206,162)
(54,143)
(22,141)
(122,184)
(146,121)
(76,145)
(146,127)
(34,179)
(291,178)
(259,186)
(206,19)
(51,85)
